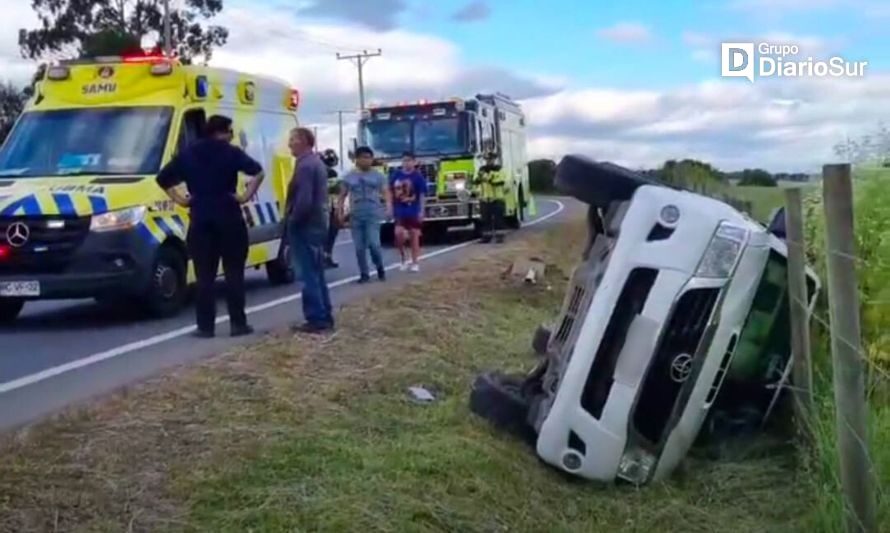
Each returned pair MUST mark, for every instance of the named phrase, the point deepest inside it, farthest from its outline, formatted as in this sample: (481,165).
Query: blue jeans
(307,245)
(366,237)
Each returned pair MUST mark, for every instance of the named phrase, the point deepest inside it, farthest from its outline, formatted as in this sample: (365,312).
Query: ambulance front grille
(51,243)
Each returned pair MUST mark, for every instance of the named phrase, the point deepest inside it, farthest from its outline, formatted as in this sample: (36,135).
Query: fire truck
(449,138)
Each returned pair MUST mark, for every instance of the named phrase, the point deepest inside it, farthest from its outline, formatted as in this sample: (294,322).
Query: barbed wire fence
(854,373)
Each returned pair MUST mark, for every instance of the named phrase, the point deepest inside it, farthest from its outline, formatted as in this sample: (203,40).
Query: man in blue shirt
(217,229)
(368,195)
(409,191)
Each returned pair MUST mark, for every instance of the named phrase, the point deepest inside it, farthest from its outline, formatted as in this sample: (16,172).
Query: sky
(634,82)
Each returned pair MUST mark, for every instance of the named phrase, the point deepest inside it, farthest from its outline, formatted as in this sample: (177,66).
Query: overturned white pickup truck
(677,316)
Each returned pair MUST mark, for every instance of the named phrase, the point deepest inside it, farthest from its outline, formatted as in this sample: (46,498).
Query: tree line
(690,174)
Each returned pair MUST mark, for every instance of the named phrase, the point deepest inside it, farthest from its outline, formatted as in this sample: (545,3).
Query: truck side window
(192,126)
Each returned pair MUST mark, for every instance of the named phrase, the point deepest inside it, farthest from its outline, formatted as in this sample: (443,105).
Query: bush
(542,175)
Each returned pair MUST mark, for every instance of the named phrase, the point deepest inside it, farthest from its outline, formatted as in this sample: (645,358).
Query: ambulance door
(278,161)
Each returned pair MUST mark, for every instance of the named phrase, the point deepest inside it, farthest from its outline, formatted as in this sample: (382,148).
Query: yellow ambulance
(80,213)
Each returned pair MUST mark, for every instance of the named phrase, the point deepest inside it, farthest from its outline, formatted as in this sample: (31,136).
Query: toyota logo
(17,234)
(681,367)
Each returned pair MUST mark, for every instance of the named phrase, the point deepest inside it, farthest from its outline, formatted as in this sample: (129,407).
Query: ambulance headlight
(723,252)
(118,220)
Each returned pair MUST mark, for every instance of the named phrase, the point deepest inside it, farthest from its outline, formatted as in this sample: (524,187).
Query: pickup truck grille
(51,243)
(674,363)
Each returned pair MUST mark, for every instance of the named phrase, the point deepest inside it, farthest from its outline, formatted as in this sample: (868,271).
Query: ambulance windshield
(87,141)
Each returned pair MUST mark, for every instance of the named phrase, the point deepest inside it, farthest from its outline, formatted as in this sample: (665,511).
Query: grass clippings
(303,434)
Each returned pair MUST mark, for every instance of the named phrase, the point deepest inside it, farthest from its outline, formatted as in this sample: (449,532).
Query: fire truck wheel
(498,398)
(10,309)
(387,234)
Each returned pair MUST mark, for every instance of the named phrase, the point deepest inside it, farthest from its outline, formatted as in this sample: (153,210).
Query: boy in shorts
(409,190)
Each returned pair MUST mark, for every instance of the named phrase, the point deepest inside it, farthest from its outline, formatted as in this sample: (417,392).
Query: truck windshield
(437,136)
(424,137)
(388,139)
(107,141)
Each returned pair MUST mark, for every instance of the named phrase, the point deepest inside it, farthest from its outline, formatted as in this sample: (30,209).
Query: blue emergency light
(201,86)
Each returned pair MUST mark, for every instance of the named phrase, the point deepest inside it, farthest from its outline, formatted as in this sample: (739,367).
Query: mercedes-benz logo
(681,367)
(17,234)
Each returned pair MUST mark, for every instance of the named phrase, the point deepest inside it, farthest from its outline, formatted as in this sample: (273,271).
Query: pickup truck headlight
(118,220)
(723,251)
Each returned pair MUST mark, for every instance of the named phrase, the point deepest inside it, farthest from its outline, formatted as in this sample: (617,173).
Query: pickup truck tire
(498,398)
(167,291)
(10,309)
(281,270)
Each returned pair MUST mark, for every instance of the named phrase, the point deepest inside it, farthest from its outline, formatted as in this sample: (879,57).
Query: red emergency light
(5,252)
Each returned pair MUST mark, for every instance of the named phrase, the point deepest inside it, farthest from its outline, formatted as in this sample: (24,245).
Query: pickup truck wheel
(498,398)
(167,290)
(10,309)
(281,271)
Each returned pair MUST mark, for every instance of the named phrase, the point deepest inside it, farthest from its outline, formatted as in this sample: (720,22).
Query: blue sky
(562,37)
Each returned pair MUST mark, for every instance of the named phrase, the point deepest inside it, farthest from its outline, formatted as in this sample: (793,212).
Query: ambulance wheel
(281,271)
(10,309)
(498,398)
(168,289)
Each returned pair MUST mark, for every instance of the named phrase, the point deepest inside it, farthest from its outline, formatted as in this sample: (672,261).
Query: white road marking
(52,372)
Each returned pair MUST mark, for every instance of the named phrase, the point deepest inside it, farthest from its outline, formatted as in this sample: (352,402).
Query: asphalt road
(60,353)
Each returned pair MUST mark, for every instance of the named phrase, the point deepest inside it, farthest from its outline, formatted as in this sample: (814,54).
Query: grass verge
(317,435)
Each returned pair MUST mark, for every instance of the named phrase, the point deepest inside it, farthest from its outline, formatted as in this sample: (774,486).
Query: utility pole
(359,60)
(339,113)
(168,33)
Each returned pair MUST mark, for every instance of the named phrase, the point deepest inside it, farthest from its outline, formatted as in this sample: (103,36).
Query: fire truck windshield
(424,137)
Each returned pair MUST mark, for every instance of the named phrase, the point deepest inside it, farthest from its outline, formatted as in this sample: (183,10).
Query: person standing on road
(368,193)
(409,189)
(217,229)
(330,159)
(492,204)
(306,213)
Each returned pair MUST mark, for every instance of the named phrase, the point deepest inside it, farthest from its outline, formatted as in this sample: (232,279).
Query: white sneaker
(415,267)
(404,266)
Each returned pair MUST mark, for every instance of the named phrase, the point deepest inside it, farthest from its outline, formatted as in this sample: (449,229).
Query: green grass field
(318,435)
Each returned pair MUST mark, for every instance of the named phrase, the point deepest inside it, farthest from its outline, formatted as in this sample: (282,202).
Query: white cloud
(626,32)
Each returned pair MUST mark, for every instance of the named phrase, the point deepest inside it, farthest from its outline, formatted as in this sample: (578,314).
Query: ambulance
(80,213)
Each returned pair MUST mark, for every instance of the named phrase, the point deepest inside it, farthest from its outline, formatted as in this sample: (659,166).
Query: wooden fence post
(857,473)
(798,301)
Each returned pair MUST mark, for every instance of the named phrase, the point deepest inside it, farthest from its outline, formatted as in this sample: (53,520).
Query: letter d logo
(737,60)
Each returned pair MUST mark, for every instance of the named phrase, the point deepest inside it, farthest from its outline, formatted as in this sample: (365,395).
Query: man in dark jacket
(217,230)
(306,212)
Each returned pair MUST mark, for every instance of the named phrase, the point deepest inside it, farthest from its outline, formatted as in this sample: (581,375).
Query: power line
(359,60)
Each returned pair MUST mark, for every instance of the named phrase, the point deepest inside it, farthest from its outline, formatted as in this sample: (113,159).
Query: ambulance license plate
(19,288)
